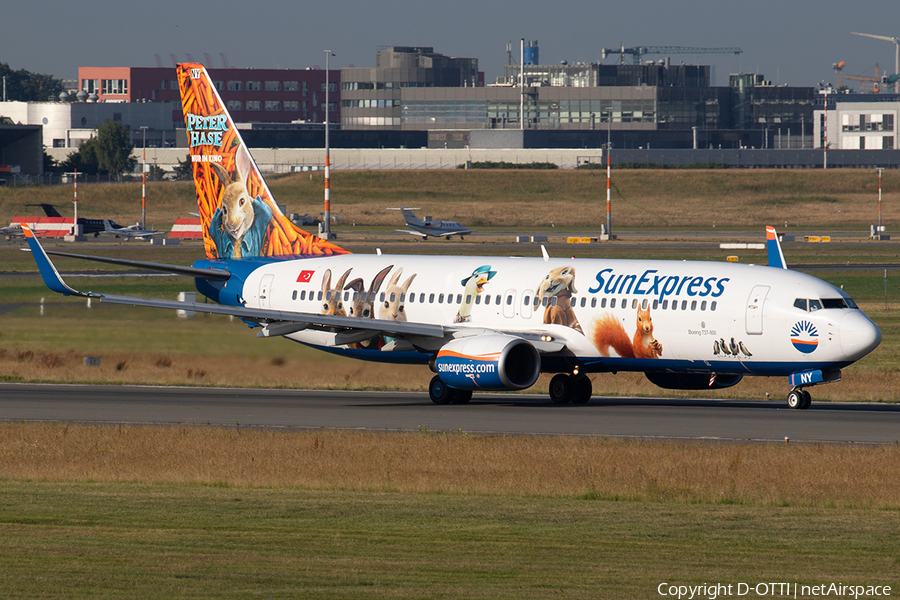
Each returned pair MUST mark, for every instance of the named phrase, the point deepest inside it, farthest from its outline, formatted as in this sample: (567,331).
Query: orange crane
(875,81)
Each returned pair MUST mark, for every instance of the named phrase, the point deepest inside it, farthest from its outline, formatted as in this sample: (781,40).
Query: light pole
(879,205)
(325,228)
(609,115)
(144,179)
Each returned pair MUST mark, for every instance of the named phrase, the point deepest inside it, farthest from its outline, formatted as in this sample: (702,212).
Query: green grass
(90,540)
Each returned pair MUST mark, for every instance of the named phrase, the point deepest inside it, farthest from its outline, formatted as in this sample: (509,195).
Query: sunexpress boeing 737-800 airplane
(488,323)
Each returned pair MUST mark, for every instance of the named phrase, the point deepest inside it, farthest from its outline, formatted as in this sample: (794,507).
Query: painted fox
(609,333)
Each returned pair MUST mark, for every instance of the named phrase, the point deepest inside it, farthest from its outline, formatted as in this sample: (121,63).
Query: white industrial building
(858,122)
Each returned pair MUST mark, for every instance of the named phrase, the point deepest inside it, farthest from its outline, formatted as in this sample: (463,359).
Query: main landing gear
(441,393)
(799,398)
(570,388)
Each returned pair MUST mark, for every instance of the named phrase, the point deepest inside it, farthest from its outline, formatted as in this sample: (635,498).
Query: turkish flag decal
(305,276)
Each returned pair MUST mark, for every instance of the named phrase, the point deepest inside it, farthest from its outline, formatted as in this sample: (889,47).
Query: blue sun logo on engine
(805,337)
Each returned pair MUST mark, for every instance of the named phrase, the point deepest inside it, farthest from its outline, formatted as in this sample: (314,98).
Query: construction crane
(896,42)
(637,53)
(875,81)
(839,69)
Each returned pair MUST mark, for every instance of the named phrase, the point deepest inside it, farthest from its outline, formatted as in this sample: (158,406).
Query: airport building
(857,121)
(259,95)
(372,98)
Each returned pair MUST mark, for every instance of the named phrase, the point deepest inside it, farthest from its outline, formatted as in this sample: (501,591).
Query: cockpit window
(814,304)
(838,303)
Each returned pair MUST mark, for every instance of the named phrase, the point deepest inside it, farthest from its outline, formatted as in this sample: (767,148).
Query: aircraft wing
(456,232)
(140,264)
(428,336)
(414,232)
(285,321)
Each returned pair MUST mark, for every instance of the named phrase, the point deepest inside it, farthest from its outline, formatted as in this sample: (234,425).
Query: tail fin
(776,256)
(238,215)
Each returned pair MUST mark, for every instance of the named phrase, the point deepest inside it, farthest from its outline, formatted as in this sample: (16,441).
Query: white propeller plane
(488,323)
(432,227)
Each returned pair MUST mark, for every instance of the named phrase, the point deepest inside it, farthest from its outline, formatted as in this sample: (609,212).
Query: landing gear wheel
(807,400)
(439,392)
(461,396)
(581,394)
(795,399)
(561,388)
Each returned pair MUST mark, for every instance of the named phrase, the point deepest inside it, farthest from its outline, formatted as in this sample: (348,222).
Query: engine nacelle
(488,362)
(692,381)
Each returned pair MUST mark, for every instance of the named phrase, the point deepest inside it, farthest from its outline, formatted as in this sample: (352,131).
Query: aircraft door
(265,290)
(755,304)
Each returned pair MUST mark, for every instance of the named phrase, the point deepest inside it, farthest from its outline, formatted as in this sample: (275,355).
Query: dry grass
(457,463)
(331,373)
(689,199)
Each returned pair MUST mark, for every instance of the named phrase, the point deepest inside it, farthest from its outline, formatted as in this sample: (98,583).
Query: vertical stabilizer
(773,247)
(238,214)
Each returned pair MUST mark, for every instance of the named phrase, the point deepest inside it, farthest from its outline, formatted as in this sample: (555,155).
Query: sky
(793,42)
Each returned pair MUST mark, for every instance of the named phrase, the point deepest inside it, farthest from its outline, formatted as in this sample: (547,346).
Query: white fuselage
(704,315)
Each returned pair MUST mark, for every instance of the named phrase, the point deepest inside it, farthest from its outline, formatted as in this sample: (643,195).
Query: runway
(518,414)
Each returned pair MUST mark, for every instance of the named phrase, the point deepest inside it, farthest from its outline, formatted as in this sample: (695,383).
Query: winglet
(51,276)
(776,256)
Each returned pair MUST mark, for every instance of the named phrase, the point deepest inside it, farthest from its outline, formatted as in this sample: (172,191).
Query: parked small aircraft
(132,231)
(429,226)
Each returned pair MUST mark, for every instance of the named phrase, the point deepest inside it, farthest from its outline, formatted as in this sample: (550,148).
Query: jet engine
(692,381)
(488,362)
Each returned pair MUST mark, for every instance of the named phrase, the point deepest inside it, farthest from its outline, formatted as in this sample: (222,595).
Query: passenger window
(421,297)
(509,300)
(712,305)
(393,296)
(703,305)
(328,296)
(526,300)
(800,303)
(497,299)
(477,299)
(431,298)
(583,300)
(382,297)
(303,295)
(593,303)
(603,303)
(402,297)
(440,299)
(537,301)
(612,303)
(644,304)
(814,305)
(655,304)
(693,305)
(468,298)
(684,305)
(459,298)
(665,304)
(412,298)
(294,295)
(552,301)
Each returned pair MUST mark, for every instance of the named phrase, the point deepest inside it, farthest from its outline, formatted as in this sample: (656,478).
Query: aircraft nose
(859,335)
